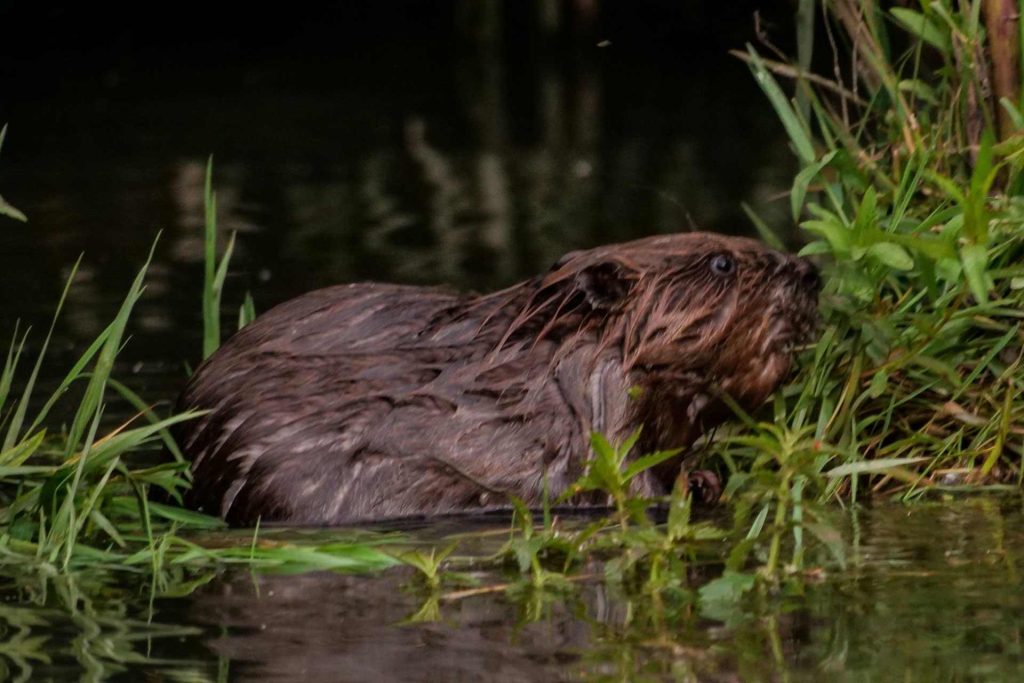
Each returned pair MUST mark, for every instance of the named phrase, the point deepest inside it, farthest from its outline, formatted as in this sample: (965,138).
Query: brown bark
(1002,22)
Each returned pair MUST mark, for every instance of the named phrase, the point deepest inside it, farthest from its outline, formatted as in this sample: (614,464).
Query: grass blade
(19,414)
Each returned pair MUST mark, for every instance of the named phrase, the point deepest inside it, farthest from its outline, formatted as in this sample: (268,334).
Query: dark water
(464,143)
(461,143)
(930,593)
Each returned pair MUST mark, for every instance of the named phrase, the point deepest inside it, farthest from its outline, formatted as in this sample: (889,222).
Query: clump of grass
(917,217)
(214,272)
(910,196)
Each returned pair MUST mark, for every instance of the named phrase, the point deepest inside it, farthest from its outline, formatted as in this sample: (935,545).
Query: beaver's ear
(604,284)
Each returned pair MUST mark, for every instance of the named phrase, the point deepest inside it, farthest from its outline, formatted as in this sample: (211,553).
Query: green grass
(910,197)
(918,220)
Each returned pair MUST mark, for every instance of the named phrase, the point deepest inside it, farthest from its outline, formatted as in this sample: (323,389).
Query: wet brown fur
(372,401)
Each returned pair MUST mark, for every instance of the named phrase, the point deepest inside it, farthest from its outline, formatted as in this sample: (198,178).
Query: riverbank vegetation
(909,131)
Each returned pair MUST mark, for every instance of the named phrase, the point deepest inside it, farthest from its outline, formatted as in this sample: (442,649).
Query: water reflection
(929,593)
(932,593)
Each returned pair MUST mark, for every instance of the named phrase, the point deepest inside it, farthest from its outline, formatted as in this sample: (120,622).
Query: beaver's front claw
(703,485)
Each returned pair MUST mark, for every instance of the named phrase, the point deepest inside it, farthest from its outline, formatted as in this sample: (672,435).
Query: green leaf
(100,520)
(802,182)
(14,352)
(974,258)
(145,410)
(602,449)
(90,404)
(1015,115)
(739,553)
(20,452)
(871,466)
(627,445)
(940,367)
(187,518)
(247,311)
(104,452)
(73,375)
(918,89)
(758,524)
(795,128)
(766,234)
(719,599)
(879,383)
(947,186)
(604,467)
(6,209)
(648,461)
(923,27)
(335,557)
(837,234)
(16,420)
(815,248)
(680,504)
(213,276)
(830,537)
(892,255)
(976,213)
(867,216)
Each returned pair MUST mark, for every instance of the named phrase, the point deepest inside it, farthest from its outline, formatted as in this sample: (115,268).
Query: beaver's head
(692,312)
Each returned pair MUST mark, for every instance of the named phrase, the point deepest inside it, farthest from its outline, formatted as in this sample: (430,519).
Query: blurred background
(459,142)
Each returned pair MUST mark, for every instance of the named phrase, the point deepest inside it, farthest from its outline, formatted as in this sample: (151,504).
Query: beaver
(373,401)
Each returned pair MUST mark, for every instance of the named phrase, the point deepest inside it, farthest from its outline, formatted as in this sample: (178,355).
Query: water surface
(929,593)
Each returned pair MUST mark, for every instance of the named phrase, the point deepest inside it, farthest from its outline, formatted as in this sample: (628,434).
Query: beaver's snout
(807,286)
(800,270)
(807,274)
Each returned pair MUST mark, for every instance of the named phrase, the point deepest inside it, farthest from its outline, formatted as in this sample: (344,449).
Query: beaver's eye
(722,264)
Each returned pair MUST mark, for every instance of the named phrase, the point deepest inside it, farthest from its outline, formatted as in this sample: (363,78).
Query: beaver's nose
(806,273)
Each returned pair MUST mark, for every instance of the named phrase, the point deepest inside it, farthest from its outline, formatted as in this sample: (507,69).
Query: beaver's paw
(704,486)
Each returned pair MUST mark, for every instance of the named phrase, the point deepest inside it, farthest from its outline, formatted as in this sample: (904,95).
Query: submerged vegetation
(910,193)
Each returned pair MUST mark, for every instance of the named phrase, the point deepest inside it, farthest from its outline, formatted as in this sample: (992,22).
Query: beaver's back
(373,401)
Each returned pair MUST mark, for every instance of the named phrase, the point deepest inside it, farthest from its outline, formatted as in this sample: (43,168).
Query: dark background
(460,142)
